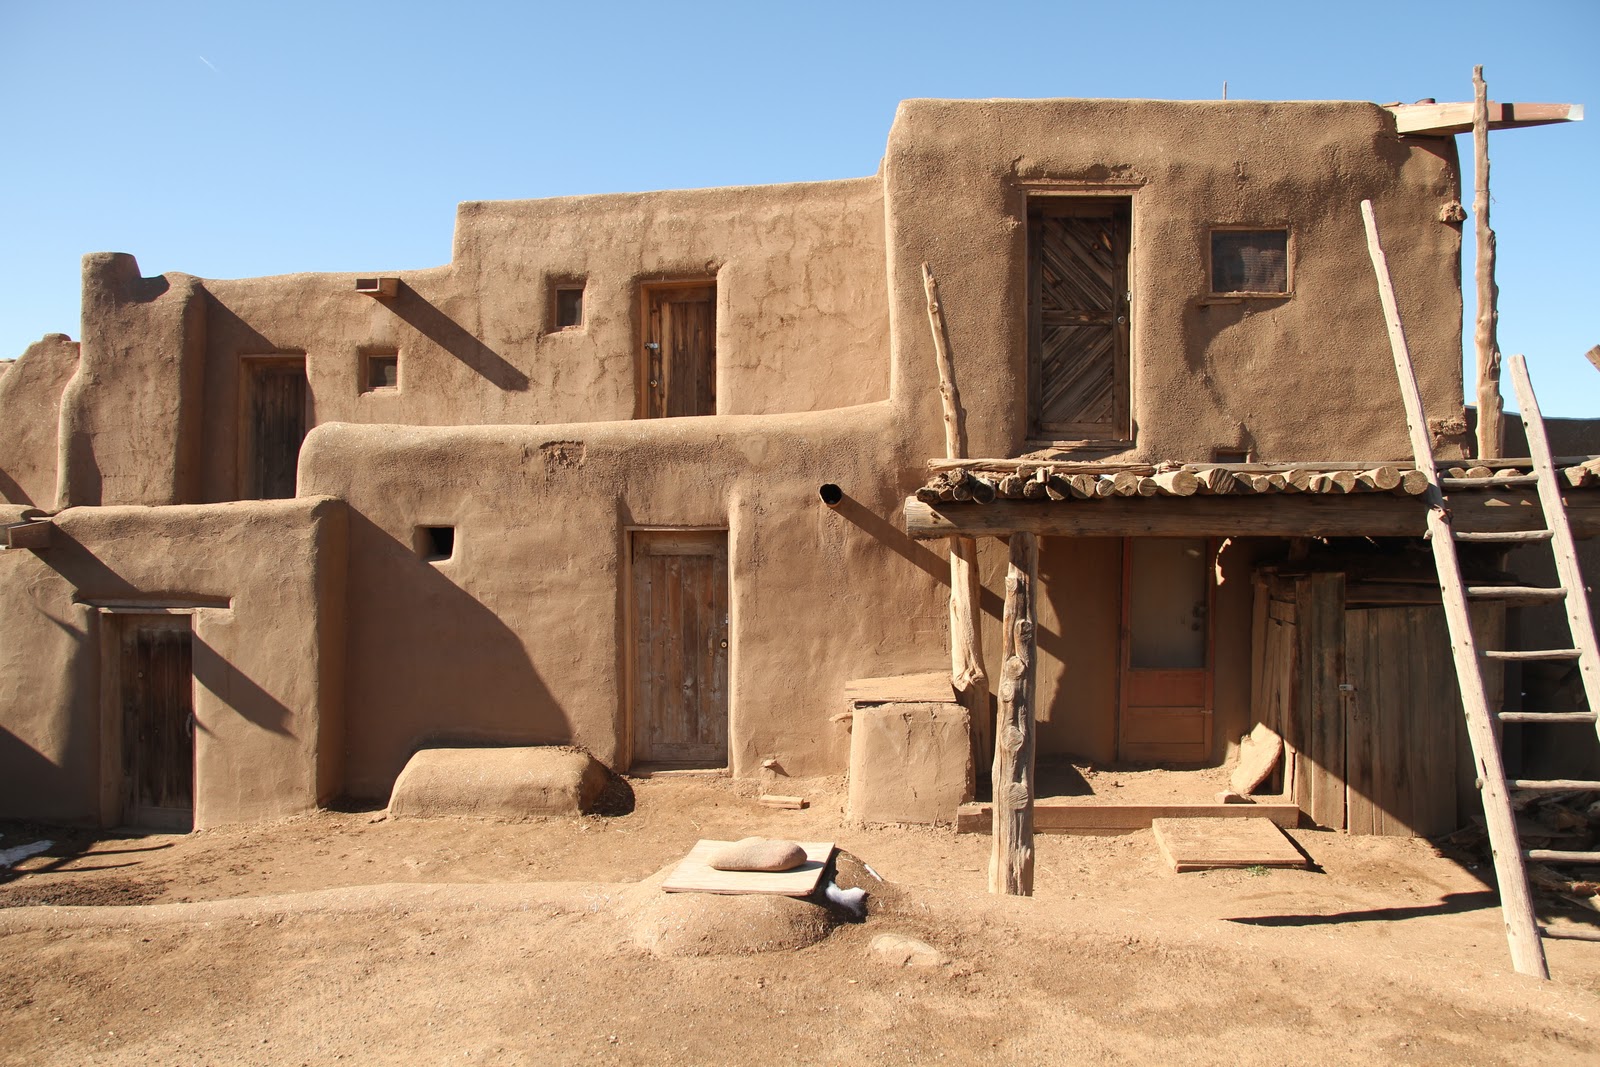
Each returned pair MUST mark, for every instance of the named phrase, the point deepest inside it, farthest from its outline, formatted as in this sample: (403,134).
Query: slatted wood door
(155,682)
(1166,691)
(680,676)
(277,419)
(680,351)
(1078,317)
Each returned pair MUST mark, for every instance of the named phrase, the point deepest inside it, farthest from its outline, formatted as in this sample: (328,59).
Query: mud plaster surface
(332,938)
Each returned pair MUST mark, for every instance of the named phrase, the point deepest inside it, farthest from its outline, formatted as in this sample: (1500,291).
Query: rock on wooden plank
(758,854)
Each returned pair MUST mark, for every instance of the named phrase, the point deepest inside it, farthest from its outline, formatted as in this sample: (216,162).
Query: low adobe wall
(267,654)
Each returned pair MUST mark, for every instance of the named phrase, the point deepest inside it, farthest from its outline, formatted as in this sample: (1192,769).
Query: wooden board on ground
(696,875)
(1062,816)
(1203,844)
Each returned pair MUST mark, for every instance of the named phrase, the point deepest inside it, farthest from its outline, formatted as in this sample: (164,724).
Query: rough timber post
(1488,345)
(1011,859)
(967,674)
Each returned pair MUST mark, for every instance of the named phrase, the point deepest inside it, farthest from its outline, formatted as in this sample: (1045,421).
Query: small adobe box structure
(272,536)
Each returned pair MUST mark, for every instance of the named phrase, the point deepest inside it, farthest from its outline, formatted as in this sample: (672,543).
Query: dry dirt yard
(353,938)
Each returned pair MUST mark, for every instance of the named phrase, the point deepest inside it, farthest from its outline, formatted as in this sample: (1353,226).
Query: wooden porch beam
(1442,120)
(1278,515)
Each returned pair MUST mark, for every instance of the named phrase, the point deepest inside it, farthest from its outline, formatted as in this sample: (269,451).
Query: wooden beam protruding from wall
(1011,858)
(1444,120)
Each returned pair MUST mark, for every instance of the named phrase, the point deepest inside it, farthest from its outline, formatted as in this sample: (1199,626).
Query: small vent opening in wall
(435,543)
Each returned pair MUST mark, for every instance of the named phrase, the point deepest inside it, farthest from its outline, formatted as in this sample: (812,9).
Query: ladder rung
(1488,483)
(1530,653)
(1547,717)
(1555,855)
(1515,592)
(1553,785)
(1505,536)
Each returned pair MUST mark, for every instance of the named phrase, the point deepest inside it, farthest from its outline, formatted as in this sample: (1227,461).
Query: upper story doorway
(1078,312)
(277,416)
(678,370)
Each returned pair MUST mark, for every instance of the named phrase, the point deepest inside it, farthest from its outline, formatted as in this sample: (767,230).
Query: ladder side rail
(1516,903)
(1579,619)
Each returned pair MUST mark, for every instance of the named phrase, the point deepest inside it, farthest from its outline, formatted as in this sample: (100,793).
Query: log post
(1484,333)
(1011,858)
(967,674)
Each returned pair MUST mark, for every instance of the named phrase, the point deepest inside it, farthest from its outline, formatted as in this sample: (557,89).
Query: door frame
(629,635)
(249,366)
(1125,648)
(648,289)
(111,620)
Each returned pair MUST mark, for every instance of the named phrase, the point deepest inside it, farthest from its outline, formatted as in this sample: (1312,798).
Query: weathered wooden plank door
(680,676)
(680,351)
(1166,651)
(155,684)
(1078,310)
(1402,717)
(278,418)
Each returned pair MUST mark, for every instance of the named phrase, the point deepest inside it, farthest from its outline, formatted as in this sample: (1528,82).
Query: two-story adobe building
(564,489)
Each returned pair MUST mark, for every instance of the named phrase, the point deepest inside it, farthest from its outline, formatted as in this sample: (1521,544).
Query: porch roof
(996,497)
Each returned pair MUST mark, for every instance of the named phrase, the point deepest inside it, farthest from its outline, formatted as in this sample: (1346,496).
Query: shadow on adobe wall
(427,660)
(448,335)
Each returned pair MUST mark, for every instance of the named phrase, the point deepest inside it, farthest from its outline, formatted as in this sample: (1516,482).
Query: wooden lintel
(1277,515)
(1440,120)
(29,534)
(1064,816)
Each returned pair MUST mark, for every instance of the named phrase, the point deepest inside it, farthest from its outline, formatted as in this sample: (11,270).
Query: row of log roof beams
(1443,120)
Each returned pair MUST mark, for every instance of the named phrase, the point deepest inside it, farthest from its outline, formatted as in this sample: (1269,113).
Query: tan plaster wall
(269,734)
(30,407)
(522,636)
(1307,377)
(801,315)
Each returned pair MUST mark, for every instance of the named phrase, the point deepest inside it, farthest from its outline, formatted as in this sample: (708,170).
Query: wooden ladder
(1516,903)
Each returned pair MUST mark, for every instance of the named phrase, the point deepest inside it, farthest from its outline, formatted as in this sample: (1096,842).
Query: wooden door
(680,365)
(1078,310)
(276,424)
(1166,651)
(155,685)
(680,667)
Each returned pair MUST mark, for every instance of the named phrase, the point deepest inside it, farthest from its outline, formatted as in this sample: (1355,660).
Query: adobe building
(642,474)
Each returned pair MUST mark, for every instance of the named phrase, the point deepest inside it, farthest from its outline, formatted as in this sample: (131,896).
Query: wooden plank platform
(695,875)
(1061,815)
(1205,844)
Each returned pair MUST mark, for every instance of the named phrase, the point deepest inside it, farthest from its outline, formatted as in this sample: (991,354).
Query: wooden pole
(967,673)
(1011,858)
(1516,903)
(1489,403)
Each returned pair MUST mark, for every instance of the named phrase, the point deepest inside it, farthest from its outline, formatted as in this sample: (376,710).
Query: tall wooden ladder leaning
(1516,903)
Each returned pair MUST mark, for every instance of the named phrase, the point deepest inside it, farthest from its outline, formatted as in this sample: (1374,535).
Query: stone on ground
(498,783)
(899,950)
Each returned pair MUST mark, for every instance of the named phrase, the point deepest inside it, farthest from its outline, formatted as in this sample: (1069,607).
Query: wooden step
(1504,537)
(1488,483)
(1554,785)
(1528,593)
(1546,717)
(1555,855)
(1530,653)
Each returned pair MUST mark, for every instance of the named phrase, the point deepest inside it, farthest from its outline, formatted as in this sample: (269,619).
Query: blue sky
(230,140)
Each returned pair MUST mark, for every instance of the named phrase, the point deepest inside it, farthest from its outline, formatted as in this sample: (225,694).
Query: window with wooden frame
(1078,312)
(380,370)
(566,305)
(1250,261)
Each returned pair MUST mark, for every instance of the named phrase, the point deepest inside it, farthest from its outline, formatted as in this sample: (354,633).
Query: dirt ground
(348,937)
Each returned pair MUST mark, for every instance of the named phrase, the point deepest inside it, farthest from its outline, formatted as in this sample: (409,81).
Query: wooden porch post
(1484,332)
(1011,860)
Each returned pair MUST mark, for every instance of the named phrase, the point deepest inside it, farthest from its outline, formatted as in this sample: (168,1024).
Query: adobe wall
(1308,377)
(30,406)
(802,322)
(522,636)
(266,653)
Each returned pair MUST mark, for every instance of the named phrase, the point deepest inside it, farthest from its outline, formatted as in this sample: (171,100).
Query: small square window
(569,307)
(380,369)
(1254,262)
(435,544)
